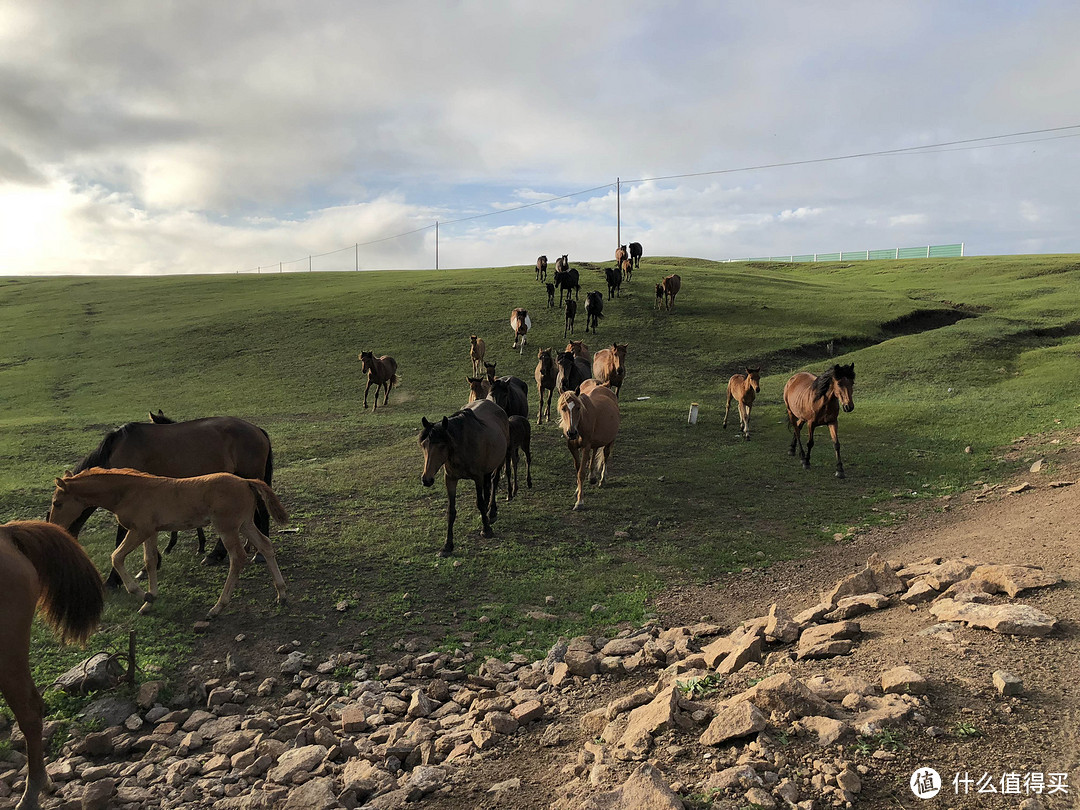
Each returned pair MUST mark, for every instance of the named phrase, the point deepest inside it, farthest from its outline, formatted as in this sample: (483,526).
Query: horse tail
(394,379)
(268,471)
(72,596)
(269,499)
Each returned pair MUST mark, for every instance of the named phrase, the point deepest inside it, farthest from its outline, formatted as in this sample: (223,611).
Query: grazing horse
(635,254)
(590,422)
(382,373)
(609,366)
(512,395)
(562,264)
(541,268)
(571,313)
(627,267)
(545,375)
(744,390)
(573,371)
(551,293)
(579,349)
(520,440)
(477,350)
(182,450)
(567,282)
(594,309)
(817,401)
(671,284)
(41,565)
(471,443)
(620,254)
(614,277)
(520,322)
(147,504)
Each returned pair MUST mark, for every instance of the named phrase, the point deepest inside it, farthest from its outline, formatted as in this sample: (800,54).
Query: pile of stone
(344,733)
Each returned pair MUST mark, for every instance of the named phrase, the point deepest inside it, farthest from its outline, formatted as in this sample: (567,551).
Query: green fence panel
(853,256)
(806,257)
(913,252)
(883,254)
(828,257)
(946,251)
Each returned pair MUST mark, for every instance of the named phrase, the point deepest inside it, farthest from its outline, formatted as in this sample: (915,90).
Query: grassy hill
(948,353)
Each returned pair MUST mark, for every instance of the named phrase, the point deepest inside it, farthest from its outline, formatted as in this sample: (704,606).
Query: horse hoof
(806,465)
(791,452)
(141,575)
(444,554)
(145,609)
(840,474)
(579,506)
(487,533)
(212,559)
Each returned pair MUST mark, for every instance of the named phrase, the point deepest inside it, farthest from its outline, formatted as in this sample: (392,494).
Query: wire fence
(921,252)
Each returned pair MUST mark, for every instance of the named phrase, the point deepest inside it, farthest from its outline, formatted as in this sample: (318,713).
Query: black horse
(635,254)
(614,281)
(567,281)
(594,309)
(512,395)
(573,371)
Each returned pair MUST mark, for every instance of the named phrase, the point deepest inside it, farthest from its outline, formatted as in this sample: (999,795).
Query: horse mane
(100,456)
(454,427)
(823,384)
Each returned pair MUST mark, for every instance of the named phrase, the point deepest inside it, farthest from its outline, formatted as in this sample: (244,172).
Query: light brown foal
(744,390)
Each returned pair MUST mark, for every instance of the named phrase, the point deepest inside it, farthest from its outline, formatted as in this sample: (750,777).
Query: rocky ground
(949,642)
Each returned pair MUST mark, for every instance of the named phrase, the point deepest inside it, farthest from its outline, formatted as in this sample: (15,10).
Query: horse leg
(264,547)
(389,388)
(17,688)
(366,390)
(483,494)
(836,446)
(603,456)
(114,580)
(451,516)
(202,538)
(582,466)
(131,542)
(150,552)
(493,511)
(237,559)
(511,483)
(744,419)
(746,422)
(809,445)
(528,465)
(727,409)
(218,554)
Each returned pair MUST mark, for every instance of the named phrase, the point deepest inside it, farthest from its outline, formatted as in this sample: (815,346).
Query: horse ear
(445,422)
(60,483)
(425,422)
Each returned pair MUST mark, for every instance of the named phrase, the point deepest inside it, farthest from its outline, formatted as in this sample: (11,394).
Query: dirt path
(983,732)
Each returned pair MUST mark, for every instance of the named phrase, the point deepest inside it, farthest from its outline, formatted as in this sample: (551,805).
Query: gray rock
(1020,620)
(109,711)
(1007,683)
(316,794)
(296,761)
(98,672)
(735,720)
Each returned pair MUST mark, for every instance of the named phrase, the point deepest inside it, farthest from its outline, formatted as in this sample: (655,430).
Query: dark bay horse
(594,309)
(541,268)
(471,443)
(546,374)
(41,565)
(635,254)
(147,504)
(382,373)
(551,293)
(815,401)
(743,388)
(590,422)
(562,264)
(512,395)
(609,366)
(573,371)
(627,267)
(520,441)
(579,349)
(614,276)
(571,313)
(182,450)
(567,282)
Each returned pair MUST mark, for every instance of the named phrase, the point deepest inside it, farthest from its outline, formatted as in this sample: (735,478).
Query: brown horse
(817,401)
(562,264)
(147,504)
(477,350)
(382,373)
(671,286)
(520,440)
(744,390)
(609,366)
(182,450)
(489,372)
(41,565)
(471,443)
(520,322)
(627,267)
(541,268)
(590,422)
(579,349)
(546,374)
(571,313)
(620,254)
(479,388)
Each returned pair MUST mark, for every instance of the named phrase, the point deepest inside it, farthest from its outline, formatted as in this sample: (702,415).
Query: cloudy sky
(207,136)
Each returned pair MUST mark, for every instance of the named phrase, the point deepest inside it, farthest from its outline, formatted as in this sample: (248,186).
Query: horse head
(65,508)
(570,414)
(546,360)
(477,387)
(490,369)
(436,443)
(367,360)
(753,379)
(843,384)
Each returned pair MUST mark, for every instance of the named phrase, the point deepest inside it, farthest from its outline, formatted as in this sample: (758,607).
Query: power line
(965,144)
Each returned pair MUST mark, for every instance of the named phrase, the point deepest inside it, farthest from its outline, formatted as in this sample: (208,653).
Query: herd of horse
(174,476)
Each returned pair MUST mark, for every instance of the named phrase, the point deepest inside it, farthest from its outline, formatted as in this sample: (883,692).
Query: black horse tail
(268,471)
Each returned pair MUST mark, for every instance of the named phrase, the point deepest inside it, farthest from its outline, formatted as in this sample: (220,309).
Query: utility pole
(436,244)
(618,212)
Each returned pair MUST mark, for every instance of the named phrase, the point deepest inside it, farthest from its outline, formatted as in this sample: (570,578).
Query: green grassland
(81,356)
